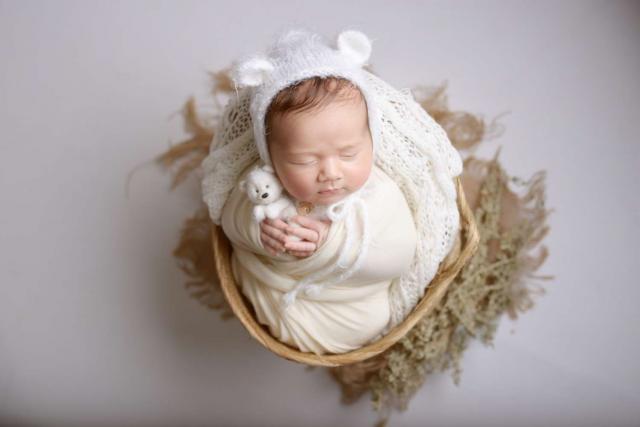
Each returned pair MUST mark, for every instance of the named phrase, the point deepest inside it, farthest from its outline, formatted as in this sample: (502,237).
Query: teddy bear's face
(262,187)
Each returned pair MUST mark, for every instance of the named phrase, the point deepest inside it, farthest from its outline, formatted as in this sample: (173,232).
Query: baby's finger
(271,244)
(311,223)
(300,246)
(304,233)
(277,223)
(273,232)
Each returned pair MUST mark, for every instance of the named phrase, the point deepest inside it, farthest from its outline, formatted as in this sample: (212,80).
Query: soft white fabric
(413,151)
(345,315)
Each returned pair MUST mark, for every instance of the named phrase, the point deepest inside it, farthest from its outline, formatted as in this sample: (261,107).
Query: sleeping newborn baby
(319,142)
(369,173)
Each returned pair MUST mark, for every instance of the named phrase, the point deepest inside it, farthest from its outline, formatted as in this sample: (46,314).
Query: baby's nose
(330,171)
(265,195)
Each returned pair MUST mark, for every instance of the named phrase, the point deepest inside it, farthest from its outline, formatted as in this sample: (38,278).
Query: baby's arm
(275,235)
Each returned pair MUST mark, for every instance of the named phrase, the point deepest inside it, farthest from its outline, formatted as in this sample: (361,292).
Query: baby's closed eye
(307,163)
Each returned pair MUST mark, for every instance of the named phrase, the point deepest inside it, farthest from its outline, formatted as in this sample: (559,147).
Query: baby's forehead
(329,122)
(342,115)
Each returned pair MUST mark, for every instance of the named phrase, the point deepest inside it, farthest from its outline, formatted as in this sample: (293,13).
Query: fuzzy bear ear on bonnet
(252,72)
(354,45)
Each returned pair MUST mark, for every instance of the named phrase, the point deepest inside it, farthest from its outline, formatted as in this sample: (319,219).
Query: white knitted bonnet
(299,55)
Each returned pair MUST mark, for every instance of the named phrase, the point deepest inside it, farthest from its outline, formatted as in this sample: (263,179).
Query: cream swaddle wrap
(345,315)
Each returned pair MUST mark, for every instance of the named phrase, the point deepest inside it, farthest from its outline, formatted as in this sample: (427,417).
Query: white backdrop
(95,327)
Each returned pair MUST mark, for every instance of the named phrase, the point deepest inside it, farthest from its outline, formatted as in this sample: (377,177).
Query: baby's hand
(276,236)
(312,232)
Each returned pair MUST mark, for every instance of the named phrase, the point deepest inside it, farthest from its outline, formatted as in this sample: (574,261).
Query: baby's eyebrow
(300,153)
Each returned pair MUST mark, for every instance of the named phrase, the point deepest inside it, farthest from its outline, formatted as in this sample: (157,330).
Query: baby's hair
(309,94)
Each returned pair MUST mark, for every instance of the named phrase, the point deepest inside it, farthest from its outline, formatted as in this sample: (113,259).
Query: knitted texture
(414,151)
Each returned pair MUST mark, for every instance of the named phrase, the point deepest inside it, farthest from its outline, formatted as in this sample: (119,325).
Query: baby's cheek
(299,185)
(359,174)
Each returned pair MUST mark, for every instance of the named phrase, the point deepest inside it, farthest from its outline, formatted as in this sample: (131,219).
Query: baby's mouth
(330,191)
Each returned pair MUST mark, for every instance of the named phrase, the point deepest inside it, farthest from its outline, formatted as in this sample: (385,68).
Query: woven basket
(449,268)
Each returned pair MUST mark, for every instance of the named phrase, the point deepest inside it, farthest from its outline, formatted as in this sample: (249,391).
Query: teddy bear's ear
(243,185)
(252,72)
(355,45)
(268,168)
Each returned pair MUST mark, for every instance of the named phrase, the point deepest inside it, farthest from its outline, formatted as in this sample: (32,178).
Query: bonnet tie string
(346,209)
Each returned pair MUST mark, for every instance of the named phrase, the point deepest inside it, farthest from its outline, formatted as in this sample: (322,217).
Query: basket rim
(432,296)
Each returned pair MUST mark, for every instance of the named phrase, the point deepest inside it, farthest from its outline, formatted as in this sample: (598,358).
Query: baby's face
(323,154)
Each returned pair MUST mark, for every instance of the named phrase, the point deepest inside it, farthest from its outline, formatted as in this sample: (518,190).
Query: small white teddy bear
(264,189)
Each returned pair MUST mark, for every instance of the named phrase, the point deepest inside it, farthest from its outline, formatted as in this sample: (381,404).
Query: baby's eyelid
(349,154)
(310,162)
